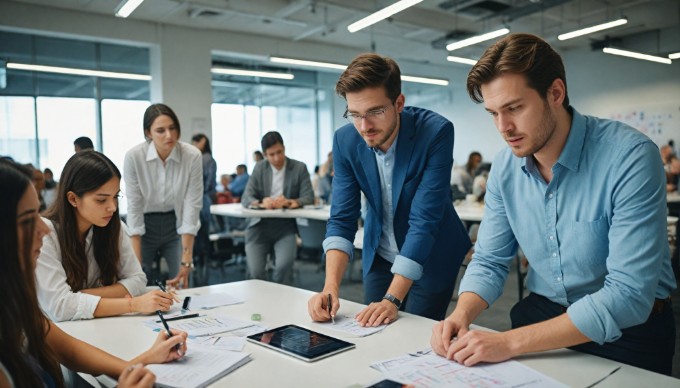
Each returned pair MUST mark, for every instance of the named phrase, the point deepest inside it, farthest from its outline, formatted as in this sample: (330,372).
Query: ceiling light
(382,14)
(633,54)
(126,7)
(71,71)
(590,30)
(466,61)
(674,56)
(252,73)
(303,62)
(476,39)
(423,80)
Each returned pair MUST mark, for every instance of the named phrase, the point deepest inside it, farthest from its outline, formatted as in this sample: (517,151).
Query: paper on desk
(427,369)
(230,342)
(250,330)
(198,368)
(204,325)
(349,325)
(209,301)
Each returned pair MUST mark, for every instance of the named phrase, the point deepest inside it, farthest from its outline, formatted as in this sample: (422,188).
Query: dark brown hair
(86,171)
(206,148)
(152,113)
(23,327)
(370,71)
(523,54)
(269,139)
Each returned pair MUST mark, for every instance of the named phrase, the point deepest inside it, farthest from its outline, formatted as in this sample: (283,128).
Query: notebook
(198,368)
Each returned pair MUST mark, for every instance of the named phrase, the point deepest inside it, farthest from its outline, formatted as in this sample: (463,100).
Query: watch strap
(393,299)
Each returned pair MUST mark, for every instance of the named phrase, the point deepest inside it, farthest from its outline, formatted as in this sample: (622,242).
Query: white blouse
(57,299)
(152,186)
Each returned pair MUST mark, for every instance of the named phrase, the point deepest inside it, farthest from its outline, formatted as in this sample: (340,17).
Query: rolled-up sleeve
(193,201)
(130,272)
(340,244)
(56,298)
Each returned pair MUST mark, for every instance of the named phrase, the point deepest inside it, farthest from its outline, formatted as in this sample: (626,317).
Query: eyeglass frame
(352,117)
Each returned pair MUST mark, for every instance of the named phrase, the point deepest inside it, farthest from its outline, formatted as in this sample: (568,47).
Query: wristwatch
(393,299)
(188,264)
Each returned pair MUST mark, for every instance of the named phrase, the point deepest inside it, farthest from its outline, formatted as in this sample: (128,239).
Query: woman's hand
(182,278)
(153,301)
(166,349)
(136,376)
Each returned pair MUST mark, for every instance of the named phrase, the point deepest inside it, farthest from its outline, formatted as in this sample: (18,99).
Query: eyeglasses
(375,114)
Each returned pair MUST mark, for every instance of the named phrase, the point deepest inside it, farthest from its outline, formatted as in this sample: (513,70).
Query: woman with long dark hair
(87,267)
(164,188)
(33,347)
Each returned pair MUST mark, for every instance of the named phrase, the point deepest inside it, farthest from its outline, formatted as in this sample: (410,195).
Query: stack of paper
(203,325)
(348,324)
(198,368)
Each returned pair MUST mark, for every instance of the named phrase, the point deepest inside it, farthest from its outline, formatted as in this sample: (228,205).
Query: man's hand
(446,331)
(378,313)
(318,306)
(477,346)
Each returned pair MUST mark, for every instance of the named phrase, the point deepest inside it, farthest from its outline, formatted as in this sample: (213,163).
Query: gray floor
(310,275)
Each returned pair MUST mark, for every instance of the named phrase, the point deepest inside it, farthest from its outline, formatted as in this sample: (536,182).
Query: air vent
(205,13)
(475,9)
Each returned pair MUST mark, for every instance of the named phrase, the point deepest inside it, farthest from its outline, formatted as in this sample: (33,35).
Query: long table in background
(126,336)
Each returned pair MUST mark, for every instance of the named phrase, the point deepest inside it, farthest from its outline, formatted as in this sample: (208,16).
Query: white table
(237,210)
(126,337)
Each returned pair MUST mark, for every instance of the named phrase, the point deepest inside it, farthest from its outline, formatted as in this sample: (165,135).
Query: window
(17,128)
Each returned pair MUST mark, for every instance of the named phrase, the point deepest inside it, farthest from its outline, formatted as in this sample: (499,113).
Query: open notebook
(198,368)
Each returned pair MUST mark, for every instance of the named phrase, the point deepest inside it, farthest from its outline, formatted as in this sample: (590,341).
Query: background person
(82,143)
(277,182)
(164,188)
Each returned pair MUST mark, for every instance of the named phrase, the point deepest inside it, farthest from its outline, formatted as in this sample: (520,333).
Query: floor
(308,274)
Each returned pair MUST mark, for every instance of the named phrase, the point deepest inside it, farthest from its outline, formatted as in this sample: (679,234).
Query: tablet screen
(300,342)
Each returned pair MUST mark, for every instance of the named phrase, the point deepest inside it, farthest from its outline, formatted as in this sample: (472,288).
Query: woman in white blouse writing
(87,267)
(164,188)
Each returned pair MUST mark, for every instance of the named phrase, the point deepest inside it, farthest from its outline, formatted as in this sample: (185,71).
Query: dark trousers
(419,300)
(650,345)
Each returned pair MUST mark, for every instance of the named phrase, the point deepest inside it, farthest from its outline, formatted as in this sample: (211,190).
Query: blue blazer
(426,226)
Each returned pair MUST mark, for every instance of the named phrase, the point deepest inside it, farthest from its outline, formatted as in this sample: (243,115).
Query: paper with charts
(349,325)
(209,301)
(426,369)
(203,325)
(198,368)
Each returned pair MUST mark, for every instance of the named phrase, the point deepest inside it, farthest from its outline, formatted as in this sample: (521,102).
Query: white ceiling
(417,34)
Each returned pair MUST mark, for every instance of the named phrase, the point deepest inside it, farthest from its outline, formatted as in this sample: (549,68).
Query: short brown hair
(523,54)
(368,71)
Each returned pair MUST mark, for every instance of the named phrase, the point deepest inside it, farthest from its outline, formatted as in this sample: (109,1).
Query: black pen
(330,300)
(167,328)
(162,287)
(180,317)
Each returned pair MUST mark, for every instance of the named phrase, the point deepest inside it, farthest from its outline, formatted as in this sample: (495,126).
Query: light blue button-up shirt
(387,248)
(595,236)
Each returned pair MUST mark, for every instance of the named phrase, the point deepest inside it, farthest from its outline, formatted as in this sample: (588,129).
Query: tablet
(300,343)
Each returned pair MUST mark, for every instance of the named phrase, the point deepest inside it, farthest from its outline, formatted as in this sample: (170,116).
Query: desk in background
(126,336)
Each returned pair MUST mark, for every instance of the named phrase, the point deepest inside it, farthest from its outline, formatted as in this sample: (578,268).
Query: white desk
(237,210)
(470,212)
(126,337)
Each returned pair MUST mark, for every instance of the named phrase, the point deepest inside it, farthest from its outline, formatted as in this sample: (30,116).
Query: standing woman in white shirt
(164,187)
(87,267)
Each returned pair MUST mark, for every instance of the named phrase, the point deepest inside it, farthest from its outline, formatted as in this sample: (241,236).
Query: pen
(167,328)
(330,300)
(162,287)
(180,317)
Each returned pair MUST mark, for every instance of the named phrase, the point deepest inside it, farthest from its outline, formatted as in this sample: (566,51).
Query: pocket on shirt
(589,240)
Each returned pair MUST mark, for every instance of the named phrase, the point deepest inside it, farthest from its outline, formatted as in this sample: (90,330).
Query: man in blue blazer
(400,158)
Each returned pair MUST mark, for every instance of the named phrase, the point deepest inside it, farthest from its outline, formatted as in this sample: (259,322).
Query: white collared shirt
(154,186)
(278,177)
(56,297)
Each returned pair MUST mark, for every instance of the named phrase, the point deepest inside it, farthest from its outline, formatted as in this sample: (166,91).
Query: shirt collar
(390,151)
(573,148)
(152,154)
(274,170)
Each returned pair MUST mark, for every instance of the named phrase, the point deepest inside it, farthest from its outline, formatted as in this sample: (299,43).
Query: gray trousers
(161,240)
(265,237)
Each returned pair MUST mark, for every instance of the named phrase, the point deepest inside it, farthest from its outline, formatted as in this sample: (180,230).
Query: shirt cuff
(339,243)
(86,305)
(407,268)
(188,229)
(479,286)
(599,329)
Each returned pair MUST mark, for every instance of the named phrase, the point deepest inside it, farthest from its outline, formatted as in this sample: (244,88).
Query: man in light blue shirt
(238,185)
(585,199)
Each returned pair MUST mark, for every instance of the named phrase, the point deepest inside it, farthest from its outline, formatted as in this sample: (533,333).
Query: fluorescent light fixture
(476,39)
(674,56)
(382,14)
(423,80)
(126,7)
(633,54)
(590,30)
(303,62)
(465,61)
(251,73)
(72,71)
